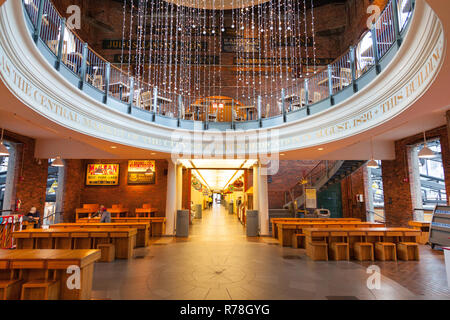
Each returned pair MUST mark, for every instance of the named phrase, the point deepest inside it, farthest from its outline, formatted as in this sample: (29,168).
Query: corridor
(217,261)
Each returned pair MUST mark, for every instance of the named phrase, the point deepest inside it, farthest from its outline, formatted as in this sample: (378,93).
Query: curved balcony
(55,77)
(106,83)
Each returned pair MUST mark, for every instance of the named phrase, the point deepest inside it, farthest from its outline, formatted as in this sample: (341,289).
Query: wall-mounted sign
(141,172)
(311,198)
(102,174)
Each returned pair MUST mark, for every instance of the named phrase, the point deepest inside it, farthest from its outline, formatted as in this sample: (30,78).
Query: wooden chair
(10,289)
(186,115)
(108,252)
(339,249)
(363,251)
(317,251)
(146,100)
(40,290)
(235,116)
(213,117)
(408,251)
(385,251)
(298,240)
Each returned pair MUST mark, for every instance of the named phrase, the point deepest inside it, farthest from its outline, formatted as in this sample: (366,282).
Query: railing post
(258,106)
(131,96)
(330,83)
(107,81)
(37,31)
(60,44)
(353,67)
(306,86)
(233,127)
(207,117)
(375,49)
(396,22)
(83,66)
(283,105)
(180,105)
(155,102)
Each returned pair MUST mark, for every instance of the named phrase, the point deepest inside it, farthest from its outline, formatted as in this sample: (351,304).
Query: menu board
(141,171)
(102,174)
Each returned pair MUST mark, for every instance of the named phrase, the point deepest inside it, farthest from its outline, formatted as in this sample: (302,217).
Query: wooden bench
(40,290)
(408,251)
(108,252)
(339,247)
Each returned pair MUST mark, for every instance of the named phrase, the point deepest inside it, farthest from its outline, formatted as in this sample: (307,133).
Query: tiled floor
(217,261)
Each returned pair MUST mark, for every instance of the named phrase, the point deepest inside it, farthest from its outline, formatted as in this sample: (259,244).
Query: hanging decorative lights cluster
(178,46)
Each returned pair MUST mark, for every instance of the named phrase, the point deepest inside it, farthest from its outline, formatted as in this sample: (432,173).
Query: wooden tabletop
(29,233)
(117,210)
(314,219)
(138,225)
(47,258)
(143,210)
(294,224)
(314,231)
(419,223)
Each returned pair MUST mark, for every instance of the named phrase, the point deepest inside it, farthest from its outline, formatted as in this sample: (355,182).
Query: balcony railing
(69,50)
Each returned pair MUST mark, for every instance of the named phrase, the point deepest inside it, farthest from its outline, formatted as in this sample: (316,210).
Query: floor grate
(341,298)
(290,257)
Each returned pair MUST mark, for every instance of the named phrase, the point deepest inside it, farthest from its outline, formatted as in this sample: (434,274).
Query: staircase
(323,175)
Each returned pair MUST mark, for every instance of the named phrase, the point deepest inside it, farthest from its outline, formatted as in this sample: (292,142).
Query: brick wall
(131,196)
(398,197)
(351,186)
(289,173)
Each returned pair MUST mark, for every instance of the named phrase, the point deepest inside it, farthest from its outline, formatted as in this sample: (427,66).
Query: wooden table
(424,227)
(29,265)
(157,224)
(353,235)
(142,236)
(287,229)
(277,220)
(124,239)
(147,212)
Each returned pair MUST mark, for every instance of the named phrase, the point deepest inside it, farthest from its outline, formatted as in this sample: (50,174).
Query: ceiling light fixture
(57,162)
(372,163)
(426,153)
(3,150)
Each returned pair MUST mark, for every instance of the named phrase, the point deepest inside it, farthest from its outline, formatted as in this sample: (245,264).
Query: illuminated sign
(102,174)
(141,171)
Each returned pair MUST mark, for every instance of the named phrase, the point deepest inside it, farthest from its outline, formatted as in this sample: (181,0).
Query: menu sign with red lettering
(141,171)
(102,174)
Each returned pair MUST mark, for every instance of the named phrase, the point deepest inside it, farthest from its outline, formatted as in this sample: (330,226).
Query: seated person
(105,216)
(34,216)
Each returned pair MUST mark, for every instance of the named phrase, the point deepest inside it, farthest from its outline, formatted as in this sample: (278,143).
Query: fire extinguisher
(18,204)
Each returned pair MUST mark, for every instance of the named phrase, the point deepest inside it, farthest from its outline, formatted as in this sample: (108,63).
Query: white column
(179,187)
(171,198)
(263,206)
(255,187)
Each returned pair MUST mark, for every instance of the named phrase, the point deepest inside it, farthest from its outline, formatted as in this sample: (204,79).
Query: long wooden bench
(43,274)
(142,236)
(124,239)
(287,230)
(364,242)
(157,224)
(275,221)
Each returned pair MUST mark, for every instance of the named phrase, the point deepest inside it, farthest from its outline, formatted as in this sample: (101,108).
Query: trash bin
(252,223)
(198,211)
(230,208)
(182,227)
(447,263)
